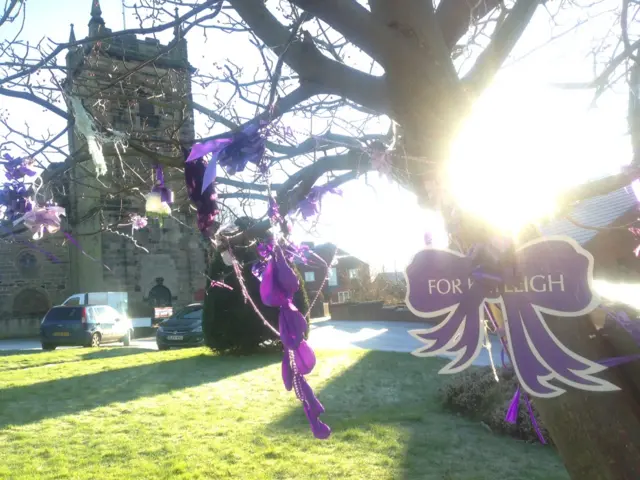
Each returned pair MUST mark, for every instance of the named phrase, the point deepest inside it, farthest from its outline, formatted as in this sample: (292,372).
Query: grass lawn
(123,413)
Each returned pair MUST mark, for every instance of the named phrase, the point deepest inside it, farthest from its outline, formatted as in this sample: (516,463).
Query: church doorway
(160,300)
(31,302)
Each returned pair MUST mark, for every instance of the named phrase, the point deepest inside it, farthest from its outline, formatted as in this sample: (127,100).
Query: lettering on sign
(535,283)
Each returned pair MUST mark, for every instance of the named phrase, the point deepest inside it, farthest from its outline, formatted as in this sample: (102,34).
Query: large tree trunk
(597,434)
(427,99)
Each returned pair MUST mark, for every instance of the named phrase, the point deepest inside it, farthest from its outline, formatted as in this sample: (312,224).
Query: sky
(526,138)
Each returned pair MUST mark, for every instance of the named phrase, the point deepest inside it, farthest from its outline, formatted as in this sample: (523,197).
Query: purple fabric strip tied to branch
(204,199)
(310,205)
(617,361)
(512,413)
(18,168)
(277,288)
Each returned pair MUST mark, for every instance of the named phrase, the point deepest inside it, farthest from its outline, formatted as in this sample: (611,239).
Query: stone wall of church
(33,277)
(174,254)
(150,104)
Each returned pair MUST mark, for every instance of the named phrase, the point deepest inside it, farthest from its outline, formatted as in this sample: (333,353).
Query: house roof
(598,212)
(327,250)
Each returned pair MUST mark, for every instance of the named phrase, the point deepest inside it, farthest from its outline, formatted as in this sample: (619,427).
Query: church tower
(142,88)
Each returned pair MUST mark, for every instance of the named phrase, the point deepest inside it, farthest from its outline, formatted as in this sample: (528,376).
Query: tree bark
(597,434)
(426,97)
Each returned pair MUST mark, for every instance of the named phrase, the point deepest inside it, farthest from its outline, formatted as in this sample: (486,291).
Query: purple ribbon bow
(233,153)
(553,276)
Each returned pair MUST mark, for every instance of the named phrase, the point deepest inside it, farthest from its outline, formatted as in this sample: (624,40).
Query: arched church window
(27,264)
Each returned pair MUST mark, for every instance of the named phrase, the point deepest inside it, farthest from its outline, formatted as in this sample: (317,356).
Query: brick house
(345,273)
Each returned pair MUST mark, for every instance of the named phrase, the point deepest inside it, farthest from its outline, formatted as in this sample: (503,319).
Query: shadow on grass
(373,390)
(32,403)
(397,390)
(103,352)
(19,360)
(374,335)
(114,352)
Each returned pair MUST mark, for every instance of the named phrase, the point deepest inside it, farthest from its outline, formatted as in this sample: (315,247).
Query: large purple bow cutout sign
(553,276)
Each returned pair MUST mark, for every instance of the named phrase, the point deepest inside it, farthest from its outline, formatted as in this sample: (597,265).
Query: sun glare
(618,292)
(520,148)
(379,222)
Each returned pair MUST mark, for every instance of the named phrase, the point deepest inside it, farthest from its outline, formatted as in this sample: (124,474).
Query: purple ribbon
(77,245)
(617,361)
(512,414)
(278,285)
(166,195)
(622,319)
(48,254)
(232,152)
(553,276)
(512,411)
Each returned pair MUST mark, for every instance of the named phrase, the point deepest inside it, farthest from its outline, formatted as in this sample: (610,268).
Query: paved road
(34,344)
(383,336)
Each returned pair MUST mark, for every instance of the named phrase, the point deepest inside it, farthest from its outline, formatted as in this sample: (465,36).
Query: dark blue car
(87,326)
(182,329)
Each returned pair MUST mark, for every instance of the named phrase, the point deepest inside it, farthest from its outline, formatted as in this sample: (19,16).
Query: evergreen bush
(475,393)
(230,323)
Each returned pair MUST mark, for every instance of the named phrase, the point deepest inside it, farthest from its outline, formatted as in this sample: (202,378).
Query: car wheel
(126,340)
(163,347)
(48,346)
(95,340)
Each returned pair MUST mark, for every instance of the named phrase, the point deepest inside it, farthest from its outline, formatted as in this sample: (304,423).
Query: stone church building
(143,88)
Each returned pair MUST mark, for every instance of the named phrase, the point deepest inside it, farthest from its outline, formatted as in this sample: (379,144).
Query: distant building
(345,274)
(600,225)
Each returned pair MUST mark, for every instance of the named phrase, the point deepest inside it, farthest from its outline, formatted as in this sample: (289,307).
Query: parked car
(182,329)
(88,326)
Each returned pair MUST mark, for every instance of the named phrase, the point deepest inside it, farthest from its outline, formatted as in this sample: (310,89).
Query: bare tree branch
(455,16)
(34,99)
(356,24)
(309,63)
(501,45)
